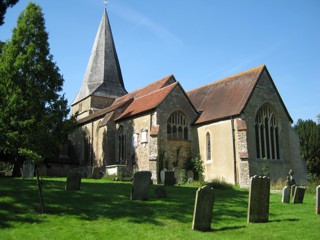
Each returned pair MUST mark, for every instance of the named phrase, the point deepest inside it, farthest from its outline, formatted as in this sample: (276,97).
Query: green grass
(102,210)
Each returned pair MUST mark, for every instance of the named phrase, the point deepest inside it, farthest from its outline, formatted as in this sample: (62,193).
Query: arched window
(177,128)
(208,146)
(122,144)
(267,133)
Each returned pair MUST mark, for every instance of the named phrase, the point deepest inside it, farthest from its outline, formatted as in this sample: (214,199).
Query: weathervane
(105,3)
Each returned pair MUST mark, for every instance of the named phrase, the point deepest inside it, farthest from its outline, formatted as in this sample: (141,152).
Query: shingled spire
(103,76)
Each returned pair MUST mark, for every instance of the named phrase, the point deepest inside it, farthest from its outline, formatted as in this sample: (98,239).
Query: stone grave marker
(162,175)
(73,181)
(160,192)
(27,170)
(286,194)
(169,179)
(96,172)
(317,200)
(298,195)
(203,207)
(259,195)
(141,185)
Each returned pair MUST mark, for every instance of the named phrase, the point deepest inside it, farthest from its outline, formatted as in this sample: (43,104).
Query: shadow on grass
(110,200)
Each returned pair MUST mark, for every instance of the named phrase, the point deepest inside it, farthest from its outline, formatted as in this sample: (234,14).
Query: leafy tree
(4,4)
(309,133)
(33,113)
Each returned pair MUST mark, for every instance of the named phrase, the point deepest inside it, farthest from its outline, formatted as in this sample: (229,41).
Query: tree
(33,112)
(4,4)
(309,133)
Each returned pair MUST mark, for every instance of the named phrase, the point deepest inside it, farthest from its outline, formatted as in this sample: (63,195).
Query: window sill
(209,161)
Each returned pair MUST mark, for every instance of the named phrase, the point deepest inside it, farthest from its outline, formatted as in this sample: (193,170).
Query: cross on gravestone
(73,181)
(259,195)
(286,194)
(298,195)
(140,186)
(317,200)
(203,207)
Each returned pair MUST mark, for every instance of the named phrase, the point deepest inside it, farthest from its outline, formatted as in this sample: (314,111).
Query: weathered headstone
(318,200)
(169,179)
(286,194)
(203,207)
(28,170)
(141,185)
(162,175)
(259,195)
(160,192)
(73,181)
(96,172)
(298,195)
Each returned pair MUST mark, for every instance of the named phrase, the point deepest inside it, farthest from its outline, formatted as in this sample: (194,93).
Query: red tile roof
(147,102)
(225,98)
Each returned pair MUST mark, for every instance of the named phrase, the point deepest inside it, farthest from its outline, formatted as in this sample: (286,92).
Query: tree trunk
(39,184)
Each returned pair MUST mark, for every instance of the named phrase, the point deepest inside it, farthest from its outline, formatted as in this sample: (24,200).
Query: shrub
(218,183)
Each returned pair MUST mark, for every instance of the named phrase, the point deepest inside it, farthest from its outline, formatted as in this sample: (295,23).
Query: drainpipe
(234,152)
(91,150)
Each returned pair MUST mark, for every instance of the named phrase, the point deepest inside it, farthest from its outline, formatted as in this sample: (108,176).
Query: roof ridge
(158,90)
(227,78)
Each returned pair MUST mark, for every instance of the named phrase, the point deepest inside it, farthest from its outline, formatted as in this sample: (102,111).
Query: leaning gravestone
(169,179)
(28,170)
(259,195)
(73,181)
(318,200)
(298,195)
(286,194)
(203,207)
(141,184)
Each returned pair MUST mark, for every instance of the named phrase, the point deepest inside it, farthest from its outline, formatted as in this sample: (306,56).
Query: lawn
(102,210)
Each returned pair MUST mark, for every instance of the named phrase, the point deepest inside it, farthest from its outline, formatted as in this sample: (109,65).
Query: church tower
(102,82)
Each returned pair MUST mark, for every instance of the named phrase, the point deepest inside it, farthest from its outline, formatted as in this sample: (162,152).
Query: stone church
(239,126)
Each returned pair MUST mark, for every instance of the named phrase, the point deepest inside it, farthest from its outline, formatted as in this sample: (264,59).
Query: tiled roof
(147,89)
(147,102)
(225,98)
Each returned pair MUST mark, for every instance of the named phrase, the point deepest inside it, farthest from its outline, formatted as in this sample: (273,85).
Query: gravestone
(160,192)
(162,175)
(286,194)
(27,170)
(203,207)
(298,195)
(259,195)
(318,200)
(73,181)
(169,179)
(140,186)
(96,172)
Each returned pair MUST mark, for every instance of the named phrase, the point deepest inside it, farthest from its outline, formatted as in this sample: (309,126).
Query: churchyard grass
(102,210)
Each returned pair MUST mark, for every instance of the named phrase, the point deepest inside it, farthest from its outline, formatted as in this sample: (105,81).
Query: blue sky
(198,41)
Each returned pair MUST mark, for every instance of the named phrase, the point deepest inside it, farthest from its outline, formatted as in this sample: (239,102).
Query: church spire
(103,76)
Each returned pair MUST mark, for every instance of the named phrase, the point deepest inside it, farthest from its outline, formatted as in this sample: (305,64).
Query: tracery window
(177,128)
(208,146)
(267,133)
